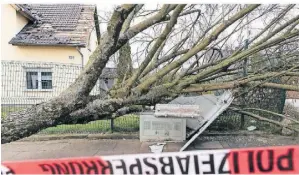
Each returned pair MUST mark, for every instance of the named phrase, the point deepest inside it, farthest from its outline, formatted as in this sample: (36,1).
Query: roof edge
(23,11)
(35,44)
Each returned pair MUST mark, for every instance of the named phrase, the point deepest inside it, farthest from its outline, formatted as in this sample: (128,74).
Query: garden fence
(27,83)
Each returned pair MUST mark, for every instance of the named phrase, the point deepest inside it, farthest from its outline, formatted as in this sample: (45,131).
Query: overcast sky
(104,8)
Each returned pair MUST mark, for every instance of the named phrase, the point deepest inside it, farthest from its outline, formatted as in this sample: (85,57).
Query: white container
(161,129)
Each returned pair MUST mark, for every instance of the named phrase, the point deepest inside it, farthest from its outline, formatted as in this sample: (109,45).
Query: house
(44,47)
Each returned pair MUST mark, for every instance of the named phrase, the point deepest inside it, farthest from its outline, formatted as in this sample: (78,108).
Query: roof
(26,13)
(292,95)
(56,24)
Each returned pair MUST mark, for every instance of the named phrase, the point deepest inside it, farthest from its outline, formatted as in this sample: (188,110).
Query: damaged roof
(55,24)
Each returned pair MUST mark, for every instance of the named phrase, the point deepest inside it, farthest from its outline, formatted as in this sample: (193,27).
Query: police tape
(262,160)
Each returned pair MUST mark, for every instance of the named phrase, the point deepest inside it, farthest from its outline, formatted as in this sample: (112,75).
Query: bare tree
(180,48)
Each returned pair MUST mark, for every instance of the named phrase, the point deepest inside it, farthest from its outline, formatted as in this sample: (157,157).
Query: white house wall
(14,89)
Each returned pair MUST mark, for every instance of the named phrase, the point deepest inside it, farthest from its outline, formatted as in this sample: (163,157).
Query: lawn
(5,110)
(126,123)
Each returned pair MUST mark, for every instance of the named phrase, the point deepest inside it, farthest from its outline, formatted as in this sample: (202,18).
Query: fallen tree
(179,36)
(264,119)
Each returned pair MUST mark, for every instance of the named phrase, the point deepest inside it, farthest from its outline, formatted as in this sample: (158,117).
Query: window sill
(38,90)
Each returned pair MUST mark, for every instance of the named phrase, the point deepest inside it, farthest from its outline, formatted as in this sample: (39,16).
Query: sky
(104,8)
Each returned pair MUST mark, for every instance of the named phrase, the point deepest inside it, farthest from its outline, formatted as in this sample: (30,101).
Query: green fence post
(112,125)
(245,72)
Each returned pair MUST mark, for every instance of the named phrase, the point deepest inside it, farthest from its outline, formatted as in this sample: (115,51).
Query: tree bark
(262,118)
(157,79)
(31,120)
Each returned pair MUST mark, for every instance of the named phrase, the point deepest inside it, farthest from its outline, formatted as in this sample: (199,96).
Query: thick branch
(273,113)
(129,19)
(250,80)
(202,45)
(98,108)
(134,30)
(128,110)
(262,118)
(231,85)
(168,28)
(279,29)
(237,57)
(31,120)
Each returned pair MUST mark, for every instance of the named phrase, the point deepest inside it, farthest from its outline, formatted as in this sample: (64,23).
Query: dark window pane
(46,80)
(32,80)
(47,74)
(46,84)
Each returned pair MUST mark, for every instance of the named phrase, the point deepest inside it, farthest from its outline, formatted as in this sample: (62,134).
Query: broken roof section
(55,24)
(177,111)
(207,103)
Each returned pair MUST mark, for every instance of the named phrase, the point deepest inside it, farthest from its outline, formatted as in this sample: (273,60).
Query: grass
(126,123)
(5,110)
(130,123)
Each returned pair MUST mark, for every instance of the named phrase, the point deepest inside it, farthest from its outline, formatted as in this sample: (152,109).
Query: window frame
(39,78)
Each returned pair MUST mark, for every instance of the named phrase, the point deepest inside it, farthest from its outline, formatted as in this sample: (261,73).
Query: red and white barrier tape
(263,160)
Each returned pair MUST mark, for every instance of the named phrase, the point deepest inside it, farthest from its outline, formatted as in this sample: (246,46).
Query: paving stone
(6,156)
(127,146)
(51,154)
(144,147)
(84,147)
(173,146)
(225,145)
(108,153)
(32,146)
(79,145)
(208,145)
(190,147)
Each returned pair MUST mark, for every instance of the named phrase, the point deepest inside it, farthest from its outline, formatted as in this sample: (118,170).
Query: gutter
(82,57)
(15,43)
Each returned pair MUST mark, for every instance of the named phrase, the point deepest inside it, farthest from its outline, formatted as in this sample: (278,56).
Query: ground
(25,150)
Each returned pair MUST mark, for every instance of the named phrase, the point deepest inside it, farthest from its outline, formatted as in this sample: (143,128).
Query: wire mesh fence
(28,83)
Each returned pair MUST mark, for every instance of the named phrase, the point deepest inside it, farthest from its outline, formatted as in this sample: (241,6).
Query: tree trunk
(31,120)
(161,76)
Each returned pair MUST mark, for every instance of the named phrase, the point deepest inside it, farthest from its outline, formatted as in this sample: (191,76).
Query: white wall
(294,102)
(13,83)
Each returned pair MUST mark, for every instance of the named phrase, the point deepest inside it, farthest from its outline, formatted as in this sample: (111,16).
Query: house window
(39,79)
(32,80)
(46,79)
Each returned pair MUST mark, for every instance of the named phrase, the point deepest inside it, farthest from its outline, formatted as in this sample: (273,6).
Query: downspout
(82,58)
(97,25)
